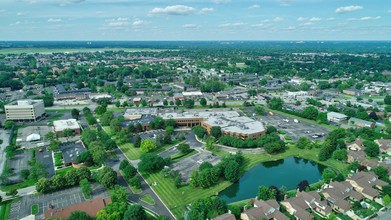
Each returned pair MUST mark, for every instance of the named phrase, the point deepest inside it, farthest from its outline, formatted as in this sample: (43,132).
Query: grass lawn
(58,159)
(5,208)
(343,217)
(65,170)
(23,184)
(116,109)
(148,199)
(34,209)
(135,153)
(180,156)
(134,189)
(58,110)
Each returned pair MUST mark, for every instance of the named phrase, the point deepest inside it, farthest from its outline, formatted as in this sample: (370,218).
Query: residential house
(226,216)
(354,155)
(182,86)
(361,123)
(385,145)
(356,145)
(303,201)
(337,195)
(263,210)
(352,92)
(363,182)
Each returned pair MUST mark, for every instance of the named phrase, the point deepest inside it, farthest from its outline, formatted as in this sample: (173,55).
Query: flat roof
(61,125)
(140,111)
(361,121)
(71,150)
(336,115)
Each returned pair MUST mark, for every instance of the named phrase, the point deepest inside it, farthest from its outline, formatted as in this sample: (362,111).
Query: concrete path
(158,207)
(21,192)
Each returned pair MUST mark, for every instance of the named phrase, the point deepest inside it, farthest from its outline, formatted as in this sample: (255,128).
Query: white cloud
(2,10)
(206,10)
(233,24)
(278,19)
(173,10)
(330,19)
(266,21)
(139,22)
(119,22)
(389,11)
(75,1)
(221,1)
(284,2)
(54,20)
(307,24)
(254,6)
(345,9)
(20,14)
(190,26)
(16,23)
(368,18)
(301,19)
(315,19)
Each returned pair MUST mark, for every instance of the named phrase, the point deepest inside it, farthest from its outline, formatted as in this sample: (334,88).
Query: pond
(288,172)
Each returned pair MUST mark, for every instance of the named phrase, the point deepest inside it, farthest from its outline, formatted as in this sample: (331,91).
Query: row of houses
(336,197)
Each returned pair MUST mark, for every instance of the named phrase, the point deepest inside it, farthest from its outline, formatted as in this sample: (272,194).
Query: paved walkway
(158,207)
(21,192)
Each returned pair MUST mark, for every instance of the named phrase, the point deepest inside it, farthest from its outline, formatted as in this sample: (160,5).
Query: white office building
(24,110)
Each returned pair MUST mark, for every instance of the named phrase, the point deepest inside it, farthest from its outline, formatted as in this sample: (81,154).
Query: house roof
(357,120)
(226,216)
(70,151)
(91,207)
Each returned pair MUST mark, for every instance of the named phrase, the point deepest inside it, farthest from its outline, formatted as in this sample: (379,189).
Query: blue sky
(195,20)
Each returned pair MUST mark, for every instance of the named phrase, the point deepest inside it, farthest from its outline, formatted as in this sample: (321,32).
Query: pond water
(288,172)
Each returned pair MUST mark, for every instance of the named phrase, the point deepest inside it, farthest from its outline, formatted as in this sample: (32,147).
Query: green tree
(232,171)
(135,212)
(382,172)
(100,110)
(129,171)
(115,125)
(37,171)
(108,177)
(340,154)
(184,148)
(215,131)
(85,187)
(79,215)
(259,109)
(106,118)
(178,102)
(123,164)
(165,102)
(203,102)
(24,174)
(112,211)
(387,100)
(310,112)
(328,175)
(50,136)
(303,142)
(43,185)
(75,113)
(167,138)
(135,181)
(71,178)
(147,145)
(119,194)
(58,181)
(371,148)
(137,141)
(55,145)
(150,163)
(199,131)
(170,129)
(266,193)
(188,103)
(386,200)
(9,124)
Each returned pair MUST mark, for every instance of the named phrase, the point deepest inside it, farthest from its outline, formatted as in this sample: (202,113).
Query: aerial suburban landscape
(119,122)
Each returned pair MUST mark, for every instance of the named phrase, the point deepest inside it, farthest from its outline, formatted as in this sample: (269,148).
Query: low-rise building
(385,145)
(352,91)
(25,110)
(70,151)
(337,194)
(61,125)
(363,182)
(91,207)
(182,86)
(336,117)
(361,123)
(226,216)
(263,210)
(192,95)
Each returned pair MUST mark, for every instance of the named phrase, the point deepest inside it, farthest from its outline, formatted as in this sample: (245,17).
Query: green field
(65,170)
(23,184)
(148,199)
(74,50)
(34,209)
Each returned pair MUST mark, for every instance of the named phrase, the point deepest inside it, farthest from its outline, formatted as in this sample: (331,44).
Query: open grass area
(180,156)
(58,110)
(34,209)
(65,170)
(63,50)
(23,184)
(58,159)
(116,109)
(134,153)
(55,118)
(5,208)
(148,199)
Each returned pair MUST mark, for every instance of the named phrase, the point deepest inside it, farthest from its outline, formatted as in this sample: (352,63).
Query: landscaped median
(34,209)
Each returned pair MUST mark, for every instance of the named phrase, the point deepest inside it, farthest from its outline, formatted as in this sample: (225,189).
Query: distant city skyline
(137,20)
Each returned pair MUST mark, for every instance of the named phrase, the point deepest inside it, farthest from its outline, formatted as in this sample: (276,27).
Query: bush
(287,137)
(135,181)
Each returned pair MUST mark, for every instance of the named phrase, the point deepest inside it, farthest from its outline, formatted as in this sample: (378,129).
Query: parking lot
(58,199)
(296,130)
(24,132)
(186,166)
(18,163)
(47,159)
